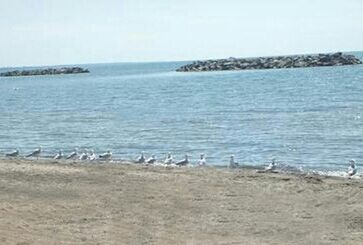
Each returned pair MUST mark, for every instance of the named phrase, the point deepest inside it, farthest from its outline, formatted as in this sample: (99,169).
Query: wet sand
(47,202)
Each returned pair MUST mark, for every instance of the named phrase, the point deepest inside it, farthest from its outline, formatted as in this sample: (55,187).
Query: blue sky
(46,32)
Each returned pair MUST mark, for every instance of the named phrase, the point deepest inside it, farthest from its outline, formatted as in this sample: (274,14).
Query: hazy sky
(43,32)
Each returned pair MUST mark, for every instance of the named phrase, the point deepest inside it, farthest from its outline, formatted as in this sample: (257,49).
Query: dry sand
(48,202)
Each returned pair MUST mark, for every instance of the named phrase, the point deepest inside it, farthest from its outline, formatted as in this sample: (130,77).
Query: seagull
(232,163)
(106,156)
(59,155)
(73,154)
(13,154)
(168,159)
(202,161)
(352,170)
(35,153)
(83,156)
(141,158)
(92,156)
(272,166)
(151,159)
(183,162)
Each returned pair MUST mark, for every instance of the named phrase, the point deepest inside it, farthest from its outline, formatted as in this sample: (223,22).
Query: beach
(50,202)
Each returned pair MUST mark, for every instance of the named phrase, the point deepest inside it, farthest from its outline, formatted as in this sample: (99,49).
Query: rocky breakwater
(277,62)
(47,71)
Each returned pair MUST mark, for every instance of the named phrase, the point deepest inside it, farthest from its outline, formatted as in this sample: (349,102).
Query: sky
(54,32)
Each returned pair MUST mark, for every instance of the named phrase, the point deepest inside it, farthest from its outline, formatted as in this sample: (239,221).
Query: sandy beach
(48,202)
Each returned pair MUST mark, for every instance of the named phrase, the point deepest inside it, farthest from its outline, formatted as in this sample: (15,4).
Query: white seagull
(168,159)
(83,156)
(352,170)
(36,153)
(141,158)
(151,159)
(13,154)
(232,163)
(183,162)
(92,156)
(59,155)
(272,166)
(73,154)
(106,156)
(202,161)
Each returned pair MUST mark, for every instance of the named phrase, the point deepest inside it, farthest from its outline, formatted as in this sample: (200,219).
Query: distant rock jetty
(277,62)
(47,71)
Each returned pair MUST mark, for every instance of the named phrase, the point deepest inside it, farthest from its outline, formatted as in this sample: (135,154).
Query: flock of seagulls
(74,155)
(91,156)
(169,160)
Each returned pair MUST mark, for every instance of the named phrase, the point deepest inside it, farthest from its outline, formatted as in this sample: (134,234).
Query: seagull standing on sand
(202,161)
(168,159)
(272,166)
(73,154)
(92,156)
(232,163)
(59,155)
(36,153)
(83,156)
(151,159)
(183,162)
(141,158)
(13,154)
(106,156)
(352,170)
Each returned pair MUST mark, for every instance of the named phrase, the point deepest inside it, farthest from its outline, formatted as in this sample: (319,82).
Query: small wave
(341,174)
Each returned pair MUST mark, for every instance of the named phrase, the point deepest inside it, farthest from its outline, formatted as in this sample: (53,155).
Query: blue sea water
(306,117)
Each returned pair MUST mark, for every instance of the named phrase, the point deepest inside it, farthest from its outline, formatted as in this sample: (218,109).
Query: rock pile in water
(47,71)
(278,62)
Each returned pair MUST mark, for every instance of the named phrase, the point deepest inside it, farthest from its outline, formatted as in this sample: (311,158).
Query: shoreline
(50,202)
(281,168)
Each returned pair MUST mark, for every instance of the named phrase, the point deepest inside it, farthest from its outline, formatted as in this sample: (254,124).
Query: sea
(306,118)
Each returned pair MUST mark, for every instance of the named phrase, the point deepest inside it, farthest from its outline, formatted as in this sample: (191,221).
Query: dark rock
(47,71)
(278,62)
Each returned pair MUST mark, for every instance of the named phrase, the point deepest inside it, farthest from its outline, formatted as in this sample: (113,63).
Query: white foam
(342,174)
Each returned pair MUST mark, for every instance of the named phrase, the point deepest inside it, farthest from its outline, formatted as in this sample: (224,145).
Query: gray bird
(352,170)
(59,155)
(36,153)
(141,158)
(168,159)
(151,160)
(106,156)
(13,154)
(83,156)
(232,163)
(73,155)
(183,162)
